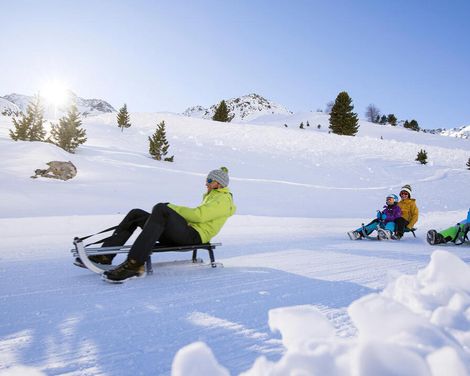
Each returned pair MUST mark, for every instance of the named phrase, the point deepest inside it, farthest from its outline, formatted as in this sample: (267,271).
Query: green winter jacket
(209,217)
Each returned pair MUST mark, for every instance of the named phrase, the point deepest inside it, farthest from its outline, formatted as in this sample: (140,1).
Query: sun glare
(54,92)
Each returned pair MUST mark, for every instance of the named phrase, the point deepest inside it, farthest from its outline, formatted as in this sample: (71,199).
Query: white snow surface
(295,295)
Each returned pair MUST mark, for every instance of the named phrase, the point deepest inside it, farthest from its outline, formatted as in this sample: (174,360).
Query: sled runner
(82,253)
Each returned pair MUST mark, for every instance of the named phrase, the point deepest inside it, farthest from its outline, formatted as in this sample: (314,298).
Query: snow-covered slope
(245,108)
(297,191)
(321,168)
(85,106)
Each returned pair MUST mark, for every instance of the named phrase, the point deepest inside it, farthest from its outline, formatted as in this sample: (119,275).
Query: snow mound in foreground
(197,359)
(419,325)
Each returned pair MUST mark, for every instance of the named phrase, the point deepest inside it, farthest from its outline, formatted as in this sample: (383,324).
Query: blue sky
(410,58)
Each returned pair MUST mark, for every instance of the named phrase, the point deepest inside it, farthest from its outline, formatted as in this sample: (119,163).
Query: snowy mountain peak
(245,108)
(8,108)
(86,107)
(461,132)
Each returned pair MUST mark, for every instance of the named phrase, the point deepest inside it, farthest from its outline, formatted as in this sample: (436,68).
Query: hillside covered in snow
(253,108)
(294,293)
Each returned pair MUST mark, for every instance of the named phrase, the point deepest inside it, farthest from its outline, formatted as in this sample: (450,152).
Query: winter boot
(384,234)
(354,235)
(127,270)
(397,235)
(433,237)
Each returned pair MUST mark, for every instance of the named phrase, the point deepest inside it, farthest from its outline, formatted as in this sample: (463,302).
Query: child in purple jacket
(384,223)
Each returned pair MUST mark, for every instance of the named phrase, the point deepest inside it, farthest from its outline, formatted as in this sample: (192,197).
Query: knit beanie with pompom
(220,176)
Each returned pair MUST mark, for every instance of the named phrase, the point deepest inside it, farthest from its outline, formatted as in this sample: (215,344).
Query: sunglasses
(404,193)
(209,181)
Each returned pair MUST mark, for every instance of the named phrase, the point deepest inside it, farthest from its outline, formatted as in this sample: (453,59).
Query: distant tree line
(68,133)
(343,120)
(374,115)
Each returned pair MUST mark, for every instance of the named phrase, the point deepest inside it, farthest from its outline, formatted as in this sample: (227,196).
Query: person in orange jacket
(409,212)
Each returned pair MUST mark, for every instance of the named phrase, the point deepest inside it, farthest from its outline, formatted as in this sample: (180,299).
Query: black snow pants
(163,225)
(400,223)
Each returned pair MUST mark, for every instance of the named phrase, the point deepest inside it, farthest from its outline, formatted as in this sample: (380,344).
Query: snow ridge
(86,107)
(459,132)
(8,108)
(245,108)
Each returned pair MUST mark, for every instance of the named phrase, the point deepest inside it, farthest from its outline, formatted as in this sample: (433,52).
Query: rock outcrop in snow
(57,170)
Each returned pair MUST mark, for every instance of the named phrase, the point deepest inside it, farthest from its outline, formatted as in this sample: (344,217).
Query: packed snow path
(62,319)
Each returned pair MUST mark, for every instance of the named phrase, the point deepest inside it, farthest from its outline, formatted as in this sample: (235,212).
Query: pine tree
(222,113)
(67,134)
(301,125)
(422,157)
(413,125)
(158,144)
(392,119)
(22,124)
(37,131)
(29,126)
(383,120)
(308,124)
(343,120)
(468,164)
(123,118)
